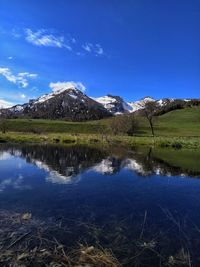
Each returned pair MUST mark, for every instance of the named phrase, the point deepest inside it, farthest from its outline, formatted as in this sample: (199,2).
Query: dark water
(142,204)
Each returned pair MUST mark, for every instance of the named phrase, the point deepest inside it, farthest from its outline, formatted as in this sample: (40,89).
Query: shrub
(177,145)
(68,141)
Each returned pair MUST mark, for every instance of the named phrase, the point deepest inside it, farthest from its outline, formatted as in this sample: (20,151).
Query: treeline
(176,104)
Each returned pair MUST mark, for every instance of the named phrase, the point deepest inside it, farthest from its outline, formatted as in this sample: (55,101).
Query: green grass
(51,126)
(185,122)
(180,127)
(97,139)
(182,122)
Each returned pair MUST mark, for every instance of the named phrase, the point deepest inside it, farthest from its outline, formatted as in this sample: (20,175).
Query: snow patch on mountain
(114,104)
(106,101)
(140,104)
(164,101)
(71,92)
(59,86)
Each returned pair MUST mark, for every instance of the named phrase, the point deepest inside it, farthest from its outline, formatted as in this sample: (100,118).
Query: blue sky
(128,48)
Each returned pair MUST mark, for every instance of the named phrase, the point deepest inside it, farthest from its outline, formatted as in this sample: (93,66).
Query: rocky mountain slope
(70,104)
(114,104)
(73,104)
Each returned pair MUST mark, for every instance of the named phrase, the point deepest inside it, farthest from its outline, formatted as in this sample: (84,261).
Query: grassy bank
(60,138)
(177,129)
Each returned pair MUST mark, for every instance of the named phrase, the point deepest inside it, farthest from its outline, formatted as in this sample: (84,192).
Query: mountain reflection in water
(65,164)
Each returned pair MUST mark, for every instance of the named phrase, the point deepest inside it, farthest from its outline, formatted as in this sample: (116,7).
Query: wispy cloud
(51,38)
(21,78)
(44,38)
(23,96)
(87,47)
(15,32)
(99,50)
(93,48)
(67,85)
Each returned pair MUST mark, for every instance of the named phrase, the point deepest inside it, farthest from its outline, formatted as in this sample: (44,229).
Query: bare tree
(150,110)
(123,124)
(132,123)
(3,121)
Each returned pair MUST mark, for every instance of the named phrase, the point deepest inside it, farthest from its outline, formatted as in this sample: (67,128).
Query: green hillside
(184,122)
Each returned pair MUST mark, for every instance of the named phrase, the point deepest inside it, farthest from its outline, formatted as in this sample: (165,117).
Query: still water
(141,204)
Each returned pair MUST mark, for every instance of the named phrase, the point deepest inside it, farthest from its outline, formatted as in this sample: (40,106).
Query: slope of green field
(184,122)
(51,126)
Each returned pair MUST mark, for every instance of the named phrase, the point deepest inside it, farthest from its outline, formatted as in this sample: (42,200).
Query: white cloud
(15,33)
(50,38)
(93,48)
(87,47)
(79,54)
(44,38)
(20,78)
(66,85)
(27,74)
(10,58)
(5,104)
(23,96)
(99,49)
(73,40)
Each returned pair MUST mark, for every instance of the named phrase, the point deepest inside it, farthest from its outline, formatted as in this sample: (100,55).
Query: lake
(139,207)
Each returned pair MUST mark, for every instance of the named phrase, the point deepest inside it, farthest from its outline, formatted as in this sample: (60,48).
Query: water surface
(144,204)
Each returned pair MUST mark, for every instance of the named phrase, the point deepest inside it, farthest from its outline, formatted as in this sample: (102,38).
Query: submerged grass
(32,242)
(25,242)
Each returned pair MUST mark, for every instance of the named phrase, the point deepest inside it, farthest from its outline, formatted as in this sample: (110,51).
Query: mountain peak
(73,92)
(148,98)
(67,102)
(115,104)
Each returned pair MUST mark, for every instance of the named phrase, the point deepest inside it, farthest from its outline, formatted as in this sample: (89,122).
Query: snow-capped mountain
(114,104)
(140,104)
(70,103)
(73,104)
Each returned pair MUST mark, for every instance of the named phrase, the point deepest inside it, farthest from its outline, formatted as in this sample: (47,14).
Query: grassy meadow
(175,127)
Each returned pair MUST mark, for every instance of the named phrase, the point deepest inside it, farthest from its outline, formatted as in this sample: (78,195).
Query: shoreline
(189,142)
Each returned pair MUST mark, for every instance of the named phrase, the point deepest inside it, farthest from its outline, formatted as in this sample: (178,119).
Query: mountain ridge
(73,104)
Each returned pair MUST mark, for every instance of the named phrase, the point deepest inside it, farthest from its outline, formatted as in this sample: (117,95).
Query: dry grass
(24,242)
(27,241)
